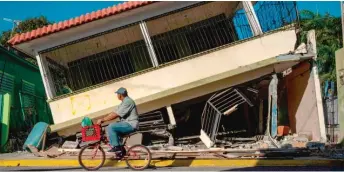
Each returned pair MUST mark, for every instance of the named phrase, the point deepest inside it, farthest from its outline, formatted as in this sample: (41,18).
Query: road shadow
(47,169)
(175,163)
(286,168)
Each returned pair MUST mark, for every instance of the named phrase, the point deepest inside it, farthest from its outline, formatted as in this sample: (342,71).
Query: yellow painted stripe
(177,163)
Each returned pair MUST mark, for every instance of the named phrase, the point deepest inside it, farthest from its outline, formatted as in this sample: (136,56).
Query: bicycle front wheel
(91,157)
(138,157)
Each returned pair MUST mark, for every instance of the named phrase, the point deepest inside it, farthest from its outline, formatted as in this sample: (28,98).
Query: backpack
(86,122)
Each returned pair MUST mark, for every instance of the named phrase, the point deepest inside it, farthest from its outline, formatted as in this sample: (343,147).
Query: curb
(177,163)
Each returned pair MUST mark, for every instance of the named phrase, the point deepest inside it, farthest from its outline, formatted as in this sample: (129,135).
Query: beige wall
(190,16)
(302,104)
(96,45)
(172,76)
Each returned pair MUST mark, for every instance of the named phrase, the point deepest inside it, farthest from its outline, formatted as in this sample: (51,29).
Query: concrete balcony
(163,53)
(195,76)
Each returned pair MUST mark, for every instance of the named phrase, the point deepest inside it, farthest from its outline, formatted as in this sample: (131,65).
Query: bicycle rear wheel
(91,157)
(138,157)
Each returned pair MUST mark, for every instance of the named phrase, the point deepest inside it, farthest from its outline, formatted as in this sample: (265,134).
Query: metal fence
(222,103)
(276,14)
(59,75)
(169,46)
(331,111)
(331,118)
(199,37)
(108,65)
(100,67)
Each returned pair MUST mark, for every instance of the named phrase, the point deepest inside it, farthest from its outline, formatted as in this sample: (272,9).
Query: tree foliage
(328,31)
(24,26)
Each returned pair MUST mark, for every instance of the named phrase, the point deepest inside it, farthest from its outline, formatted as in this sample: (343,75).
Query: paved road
(182,169)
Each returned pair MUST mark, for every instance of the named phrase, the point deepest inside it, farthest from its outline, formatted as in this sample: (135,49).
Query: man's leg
(112,135)
(115,130)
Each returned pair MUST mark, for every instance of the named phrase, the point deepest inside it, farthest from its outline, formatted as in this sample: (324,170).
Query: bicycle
(95,135)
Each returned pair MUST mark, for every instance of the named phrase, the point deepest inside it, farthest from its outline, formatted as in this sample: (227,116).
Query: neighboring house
(172,54)
(22,80)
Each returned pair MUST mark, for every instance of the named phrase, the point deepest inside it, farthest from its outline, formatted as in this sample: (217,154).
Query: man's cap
(121,91)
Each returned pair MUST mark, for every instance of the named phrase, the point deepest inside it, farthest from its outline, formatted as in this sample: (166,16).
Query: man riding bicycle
(127,112)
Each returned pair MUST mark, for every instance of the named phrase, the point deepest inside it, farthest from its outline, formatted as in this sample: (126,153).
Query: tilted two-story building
(174,56)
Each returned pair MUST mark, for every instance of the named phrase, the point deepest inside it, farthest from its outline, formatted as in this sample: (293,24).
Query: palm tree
(328,36)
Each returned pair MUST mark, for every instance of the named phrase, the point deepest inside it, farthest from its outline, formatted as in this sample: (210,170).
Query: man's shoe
(124,152)
(121,153)
(114,150)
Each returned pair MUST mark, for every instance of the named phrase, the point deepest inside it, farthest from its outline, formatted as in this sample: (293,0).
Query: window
(28,92)
(58,73)
(6,83)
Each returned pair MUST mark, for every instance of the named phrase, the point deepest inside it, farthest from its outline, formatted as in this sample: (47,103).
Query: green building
(27,105)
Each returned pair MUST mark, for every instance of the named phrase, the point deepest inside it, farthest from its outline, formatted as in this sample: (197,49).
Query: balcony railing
(197,37)
(169,45)
(276,14)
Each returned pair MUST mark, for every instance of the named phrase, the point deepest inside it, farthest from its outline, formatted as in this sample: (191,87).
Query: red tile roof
(89,17)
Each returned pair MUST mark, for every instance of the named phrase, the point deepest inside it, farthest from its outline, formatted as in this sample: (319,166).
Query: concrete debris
(52,152)
(166,147)
(338,156)
(174,148)
(297,144)
(164,133)
(307,135)
(301,139)
(287,146)
(301,49)
(34,151)
(315,145)
(70,145)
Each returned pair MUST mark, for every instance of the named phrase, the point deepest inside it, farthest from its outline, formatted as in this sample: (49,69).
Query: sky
(59,11)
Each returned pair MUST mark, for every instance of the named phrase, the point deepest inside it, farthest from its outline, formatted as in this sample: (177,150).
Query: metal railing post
(149,45)
(46,76)
(252,18)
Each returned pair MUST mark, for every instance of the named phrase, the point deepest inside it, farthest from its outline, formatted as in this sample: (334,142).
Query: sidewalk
(28,160)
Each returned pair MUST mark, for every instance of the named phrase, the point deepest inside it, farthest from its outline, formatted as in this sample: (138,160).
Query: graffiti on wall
(80,104)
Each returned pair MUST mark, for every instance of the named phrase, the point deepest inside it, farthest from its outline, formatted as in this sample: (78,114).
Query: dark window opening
(108,65)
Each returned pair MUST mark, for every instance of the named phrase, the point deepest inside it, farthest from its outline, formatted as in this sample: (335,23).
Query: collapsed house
(218,71)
